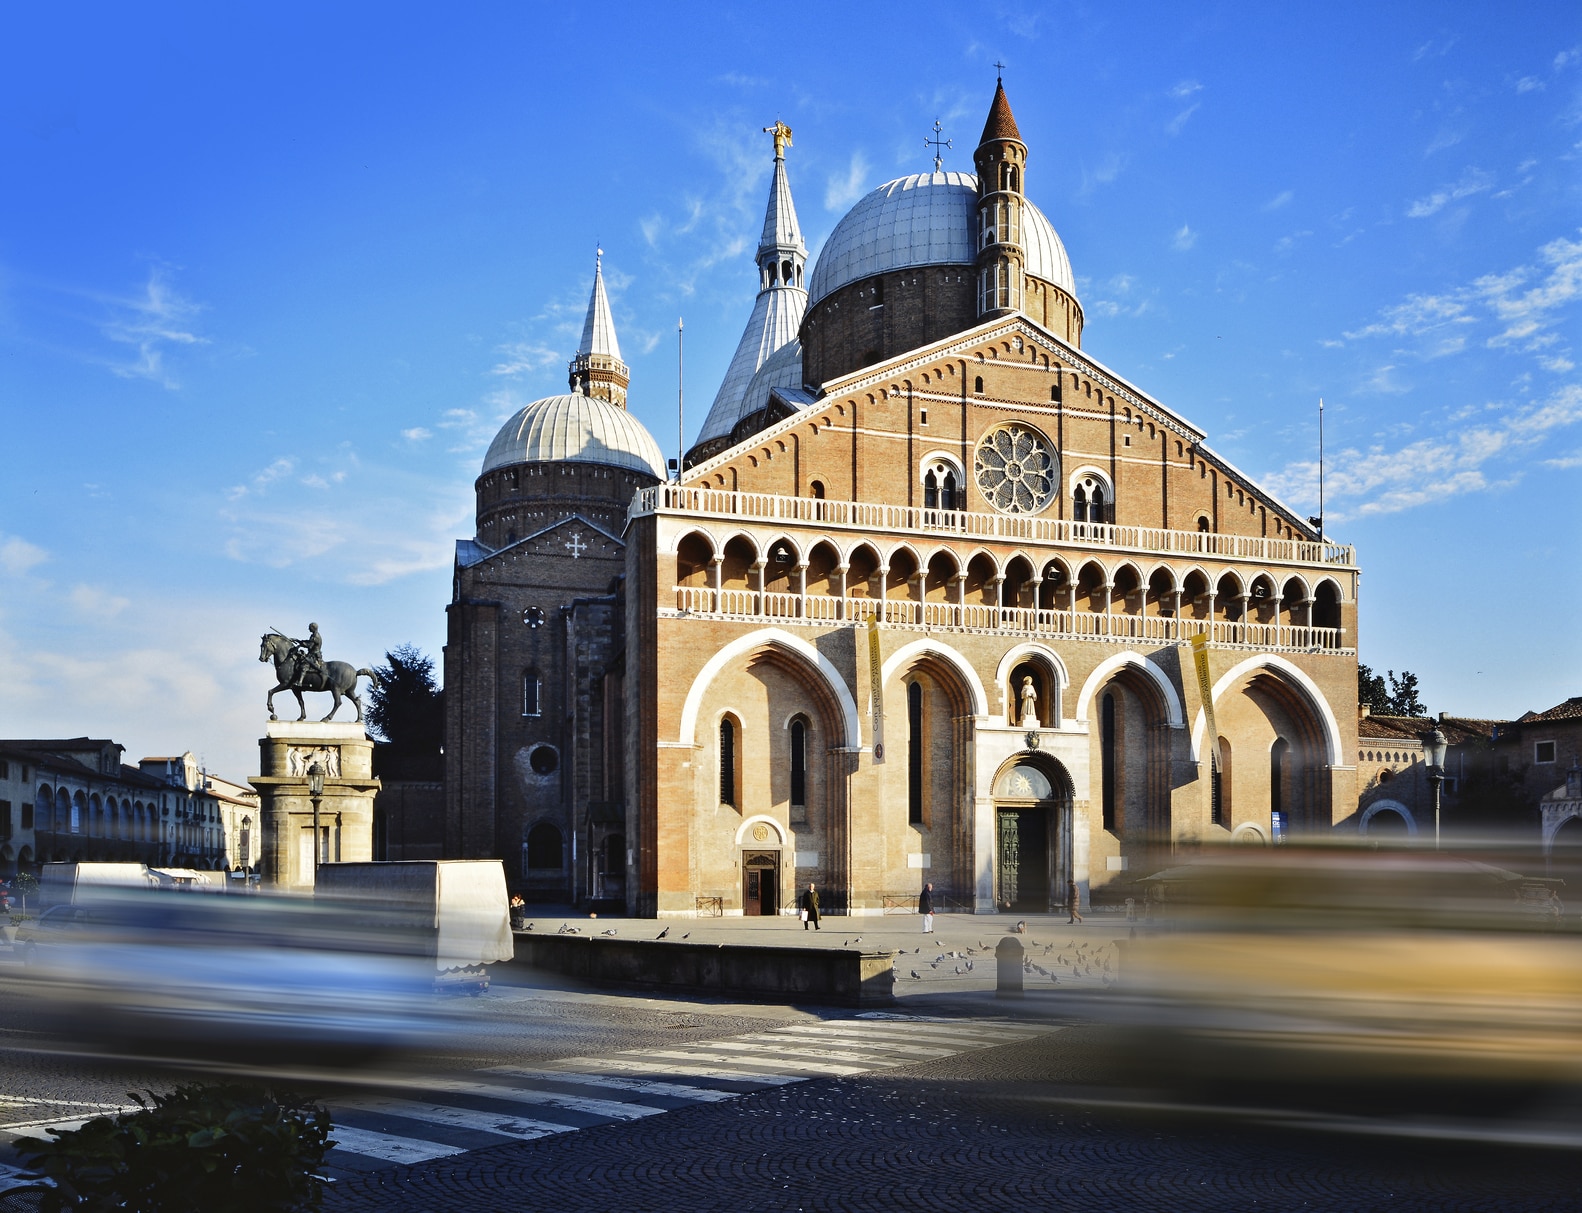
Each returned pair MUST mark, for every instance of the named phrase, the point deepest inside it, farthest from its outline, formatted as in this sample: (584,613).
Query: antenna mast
(681,428)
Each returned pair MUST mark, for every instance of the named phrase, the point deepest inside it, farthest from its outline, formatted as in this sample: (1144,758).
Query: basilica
(935,596)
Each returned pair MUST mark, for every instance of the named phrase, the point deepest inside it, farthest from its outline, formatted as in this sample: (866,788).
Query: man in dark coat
(925,907)
(810,909)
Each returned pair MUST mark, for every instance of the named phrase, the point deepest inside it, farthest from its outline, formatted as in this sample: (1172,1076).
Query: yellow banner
(1205,686)
(876,687)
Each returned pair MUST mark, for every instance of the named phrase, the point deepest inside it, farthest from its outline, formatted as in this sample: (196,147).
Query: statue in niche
(1029,718)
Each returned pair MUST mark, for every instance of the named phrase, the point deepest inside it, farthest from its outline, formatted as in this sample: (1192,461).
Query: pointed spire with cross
(937,144)
(999,72)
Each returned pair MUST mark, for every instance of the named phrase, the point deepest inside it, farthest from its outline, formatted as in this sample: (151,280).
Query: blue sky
(271,277)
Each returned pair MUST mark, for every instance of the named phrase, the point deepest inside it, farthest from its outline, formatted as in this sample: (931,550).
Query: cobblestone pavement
(975,1131)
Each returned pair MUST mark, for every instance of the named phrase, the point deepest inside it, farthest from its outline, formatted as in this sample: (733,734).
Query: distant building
(73,799)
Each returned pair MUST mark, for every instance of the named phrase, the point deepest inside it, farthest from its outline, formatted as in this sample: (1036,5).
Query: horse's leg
(358,703)
(301,704)
(270,701)
(335,706)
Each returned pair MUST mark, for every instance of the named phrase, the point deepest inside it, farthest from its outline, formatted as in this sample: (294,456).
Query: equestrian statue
(300,666)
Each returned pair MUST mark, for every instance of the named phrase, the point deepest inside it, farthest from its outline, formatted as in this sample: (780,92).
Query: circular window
(543,760)
(1016,470)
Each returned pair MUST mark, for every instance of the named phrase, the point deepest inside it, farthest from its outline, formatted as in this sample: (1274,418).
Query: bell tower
(597,370)
(1001,159)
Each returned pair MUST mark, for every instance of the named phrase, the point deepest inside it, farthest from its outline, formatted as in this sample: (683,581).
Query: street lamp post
(1434,745)
(315,790)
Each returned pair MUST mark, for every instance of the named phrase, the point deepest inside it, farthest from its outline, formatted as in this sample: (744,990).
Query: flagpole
(681,426)
(1321,469)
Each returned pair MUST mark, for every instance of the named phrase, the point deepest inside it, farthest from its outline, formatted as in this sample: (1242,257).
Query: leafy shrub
(200,1147)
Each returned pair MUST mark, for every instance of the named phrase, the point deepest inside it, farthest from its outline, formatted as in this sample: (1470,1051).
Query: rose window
(1016,470)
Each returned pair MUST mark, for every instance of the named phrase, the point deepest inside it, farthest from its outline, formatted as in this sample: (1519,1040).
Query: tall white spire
(777,312)
(597,370)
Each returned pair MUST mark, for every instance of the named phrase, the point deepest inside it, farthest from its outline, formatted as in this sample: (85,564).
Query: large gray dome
(576,429)
(926,219)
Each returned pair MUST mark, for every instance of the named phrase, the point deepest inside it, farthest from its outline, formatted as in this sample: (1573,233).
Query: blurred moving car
(1363,983)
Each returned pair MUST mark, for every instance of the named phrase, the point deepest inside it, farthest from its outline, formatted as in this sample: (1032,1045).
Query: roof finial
(782,134)
(937,143)
(999,72)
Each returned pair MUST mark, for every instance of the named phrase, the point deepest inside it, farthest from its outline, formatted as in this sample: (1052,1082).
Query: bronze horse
(339,678)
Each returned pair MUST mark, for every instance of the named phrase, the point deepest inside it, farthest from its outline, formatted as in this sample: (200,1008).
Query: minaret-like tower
(1001,159)
(597,370)
(777,312)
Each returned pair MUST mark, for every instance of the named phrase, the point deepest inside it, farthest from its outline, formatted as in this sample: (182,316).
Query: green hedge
(208,1148)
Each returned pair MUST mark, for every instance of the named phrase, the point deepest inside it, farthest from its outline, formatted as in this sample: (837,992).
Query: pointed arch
(1046,656)
(1293,676)
(1107,668)
(907,654)
(793,647)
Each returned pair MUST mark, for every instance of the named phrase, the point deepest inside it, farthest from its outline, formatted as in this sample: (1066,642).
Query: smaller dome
(576,429)
(782,369)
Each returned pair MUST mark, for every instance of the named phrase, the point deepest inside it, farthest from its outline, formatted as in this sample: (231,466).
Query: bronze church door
(1024,835)
(760,882)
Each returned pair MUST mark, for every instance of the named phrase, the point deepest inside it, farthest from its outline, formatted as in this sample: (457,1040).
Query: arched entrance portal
(760,882)
(1032,835)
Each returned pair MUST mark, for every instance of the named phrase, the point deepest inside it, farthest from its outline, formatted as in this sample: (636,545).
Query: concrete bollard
(1008,956)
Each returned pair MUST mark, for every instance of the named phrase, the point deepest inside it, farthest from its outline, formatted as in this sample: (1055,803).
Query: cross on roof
(937,143)
(999,70)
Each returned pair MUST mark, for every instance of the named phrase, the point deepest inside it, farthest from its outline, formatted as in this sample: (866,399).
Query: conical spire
(598,330)
(1001,123)
(777,312)
(597,370)
(781,233)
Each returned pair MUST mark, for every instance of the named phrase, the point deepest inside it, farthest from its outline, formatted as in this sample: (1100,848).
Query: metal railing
(871,516)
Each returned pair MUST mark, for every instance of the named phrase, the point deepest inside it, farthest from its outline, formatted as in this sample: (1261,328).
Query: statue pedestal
(346,809)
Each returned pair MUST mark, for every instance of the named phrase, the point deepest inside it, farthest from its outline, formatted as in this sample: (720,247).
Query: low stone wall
(839,976)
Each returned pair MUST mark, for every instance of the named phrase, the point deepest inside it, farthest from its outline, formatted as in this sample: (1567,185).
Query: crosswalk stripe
(767,1064)
(695,1070)
(771,1047)
(388,1146)
(853,1040)
(952,1041)
(610,1108)
(638,1086)
(462,1118)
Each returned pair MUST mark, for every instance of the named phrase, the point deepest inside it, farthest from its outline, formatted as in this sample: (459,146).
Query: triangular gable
(526,539)
(1059,350)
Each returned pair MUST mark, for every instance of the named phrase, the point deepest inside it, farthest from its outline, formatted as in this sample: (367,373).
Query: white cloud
(1108,169)
(97,603)
(522,357)
(18,556)
(1184,238)
(263,478)
(841,190)
(1567,57)
(1119,296)
(152,323)
(1185,89)
(1528,84)
(1465,459)
(417,434)
(1283,198)
(1524,304)
(1173,127)
(1473,181)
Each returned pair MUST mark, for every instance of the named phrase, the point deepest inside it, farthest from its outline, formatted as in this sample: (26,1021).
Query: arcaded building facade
(936,597)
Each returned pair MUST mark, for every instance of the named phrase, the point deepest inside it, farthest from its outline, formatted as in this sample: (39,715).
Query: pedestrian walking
(925,907)
(810,909)
(1074,900)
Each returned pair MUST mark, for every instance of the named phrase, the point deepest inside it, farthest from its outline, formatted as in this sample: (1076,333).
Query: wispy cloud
(417,433)
(1524,306)
(1283,198)
(1473,181)
(1467,459)
(524,357)
(1185,89)
(842,189)
(18,556)
(1529,84)
(279,469)
(1104,173)
(1184,238)
(151,323)
(1173,127)
(1119,296)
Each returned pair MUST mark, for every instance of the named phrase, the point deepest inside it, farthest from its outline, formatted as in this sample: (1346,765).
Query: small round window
(543,760)
(1016,470)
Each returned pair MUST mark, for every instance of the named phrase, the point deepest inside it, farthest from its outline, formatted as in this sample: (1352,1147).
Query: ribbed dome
(576,429)
(926,219)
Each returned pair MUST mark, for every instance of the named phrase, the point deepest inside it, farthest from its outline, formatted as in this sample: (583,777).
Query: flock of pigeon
(1076,961)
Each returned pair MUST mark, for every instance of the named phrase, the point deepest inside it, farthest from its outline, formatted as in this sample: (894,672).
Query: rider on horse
(310,660)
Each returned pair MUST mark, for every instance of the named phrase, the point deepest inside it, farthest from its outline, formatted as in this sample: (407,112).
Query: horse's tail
(373,679)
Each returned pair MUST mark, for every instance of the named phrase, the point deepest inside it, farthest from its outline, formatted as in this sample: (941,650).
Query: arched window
(799,762)
(1279,763)
(532,698)
(941,485)
(1220,809)
(728,762)
(1091,498)
(817,489)
(545,851)
(914,753)
(1202,523)
(1079,504)
(1107,758)
(977,384)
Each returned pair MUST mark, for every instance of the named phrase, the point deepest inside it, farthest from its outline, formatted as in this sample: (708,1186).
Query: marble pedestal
(346,809)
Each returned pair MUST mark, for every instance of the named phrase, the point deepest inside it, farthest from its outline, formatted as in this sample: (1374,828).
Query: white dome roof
(926,219)
(576,429)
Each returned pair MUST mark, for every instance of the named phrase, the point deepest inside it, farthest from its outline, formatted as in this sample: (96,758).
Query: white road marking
(388,1146)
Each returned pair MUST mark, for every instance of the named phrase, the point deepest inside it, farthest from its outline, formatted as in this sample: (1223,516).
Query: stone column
(346,809)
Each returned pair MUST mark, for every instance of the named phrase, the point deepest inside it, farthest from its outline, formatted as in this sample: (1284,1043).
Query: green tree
(407,710)
(1388,695)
